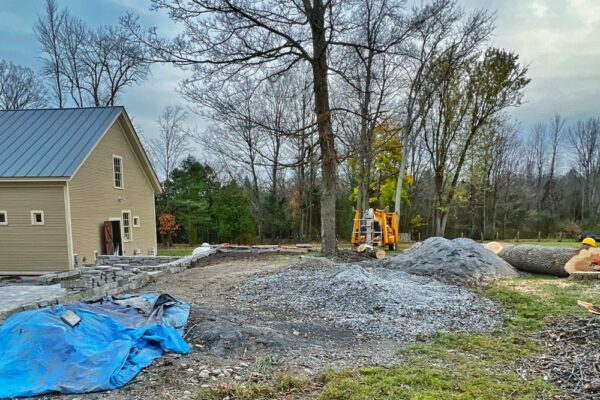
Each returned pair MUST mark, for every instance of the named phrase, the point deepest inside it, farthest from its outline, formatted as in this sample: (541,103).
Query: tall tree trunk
(401,171)
(326,138)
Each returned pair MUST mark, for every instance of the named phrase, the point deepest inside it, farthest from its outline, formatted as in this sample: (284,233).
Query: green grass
(253,391)
(451,366)
(174,252)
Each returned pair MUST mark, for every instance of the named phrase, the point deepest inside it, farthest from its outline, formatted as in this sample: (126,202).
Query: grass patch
(450,366)
(287,382)
(529,301)
(263,364)
(254,391)
(175,252)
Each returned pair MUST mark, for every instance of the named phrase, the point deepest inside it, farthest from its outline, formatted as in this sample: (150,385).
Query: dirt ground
(235,342)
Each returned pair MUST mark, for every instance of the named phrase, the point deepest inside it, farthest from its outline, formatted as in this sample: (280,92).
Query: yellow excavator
(375,228)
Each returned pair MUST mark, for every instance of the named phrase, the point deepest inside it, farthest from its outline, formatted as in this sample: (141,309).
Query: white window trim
(113,169)
(5,217)
(123,226)
(136,217)
(33,221)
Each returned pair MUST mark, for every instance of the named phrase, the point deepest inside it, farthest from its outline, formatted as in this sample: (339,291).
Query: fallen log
(538,259)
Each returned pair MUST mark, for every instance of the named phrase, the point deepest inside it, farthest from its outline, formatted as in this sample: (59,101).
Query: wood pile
(371,251)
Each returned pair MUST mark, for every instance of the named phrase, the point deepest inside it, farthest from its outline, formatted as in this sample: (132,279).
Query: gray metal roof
(50,143)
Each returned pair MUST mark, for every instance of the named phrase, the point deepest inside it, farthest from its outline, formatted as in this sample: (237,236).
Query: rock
(204,374)
(296,333)
(243,365)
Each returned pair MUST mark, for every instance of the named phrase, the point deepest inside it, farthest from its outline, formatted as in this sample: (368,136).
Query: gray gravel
(458,262)
(374,302)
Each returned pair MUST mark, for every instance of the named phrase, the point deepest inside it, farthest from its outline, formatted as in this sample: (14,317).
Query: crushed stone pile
(374,301)
(459,262)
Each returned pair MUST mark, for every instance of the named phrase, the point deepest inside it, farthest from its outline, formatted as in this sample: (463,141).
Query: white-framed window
(117,171)
(126,222)
(37,217)
(3,217)
(136,221)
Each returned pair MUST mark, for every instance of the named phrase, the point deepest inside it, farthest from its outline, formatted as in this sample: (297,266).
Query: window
(3,217)
(118,171)
(126,226)
(37,217)
(136,221)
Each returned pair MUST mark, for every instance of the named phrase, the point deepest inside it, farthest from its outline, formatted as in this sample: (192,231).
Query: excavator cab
(375,228)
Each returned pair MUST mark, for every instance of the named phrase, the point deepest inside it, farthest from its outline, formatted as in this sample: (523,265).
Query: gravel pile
(458,262)
(376,302)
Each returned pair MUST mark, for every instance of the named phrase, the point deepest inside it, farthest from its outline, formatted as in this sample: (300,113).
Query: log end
(581,264)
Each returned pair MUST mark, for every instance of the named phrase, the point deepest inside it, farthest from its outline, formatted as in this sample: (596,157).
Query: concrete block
(70,318)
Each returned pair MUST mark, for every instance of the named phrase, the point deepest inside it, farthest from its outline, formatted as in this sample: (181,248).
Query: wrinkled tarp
(39,353)
(137,311)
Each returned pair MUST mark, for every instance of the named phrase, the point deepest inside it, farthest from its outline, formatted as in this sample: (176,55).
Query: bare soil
(235,342)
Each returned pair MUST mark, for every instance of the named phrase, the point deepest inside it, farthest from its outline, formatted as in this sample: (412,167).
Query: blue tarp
(39,353)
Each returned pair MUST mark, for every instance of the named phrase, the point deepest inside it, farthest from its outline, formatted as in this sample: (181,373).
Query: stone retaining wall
(135,260)
(118,275)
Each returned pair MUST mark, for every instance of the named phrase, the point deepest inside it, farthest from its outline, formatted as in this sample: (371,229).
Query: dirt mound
(374,302)
(458,262)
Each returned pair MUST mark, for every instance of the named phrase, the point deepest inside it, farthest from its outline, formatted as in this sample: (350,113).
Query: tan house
(74,183)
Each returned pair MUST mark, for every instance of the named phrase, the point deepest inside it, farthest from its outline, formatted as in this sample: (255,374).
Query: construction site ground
(330,362)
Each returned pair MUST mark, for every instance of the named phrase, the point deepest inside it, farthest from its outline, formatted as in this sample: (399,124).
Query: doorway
(113,243)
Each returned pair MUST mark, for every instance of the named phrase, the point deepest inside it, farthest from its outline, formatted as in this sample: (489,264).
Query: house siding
(27,248)
(93,198)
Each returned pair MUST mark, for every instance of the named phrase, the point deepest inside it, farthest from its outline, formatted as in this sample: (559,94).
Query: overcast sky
(557,38)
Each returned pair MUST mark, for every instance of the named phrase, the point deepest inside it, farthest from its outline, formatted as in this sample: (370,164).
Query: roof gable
(50,143)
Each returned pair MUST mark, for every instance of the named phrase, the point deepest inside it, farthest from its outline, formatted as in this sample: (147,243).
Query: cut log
(497,247)
(538,259)
(364,248)
(379,254)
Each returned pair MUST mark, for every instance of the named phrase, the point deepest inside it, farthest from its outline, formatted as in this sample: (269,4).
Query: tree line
(317,108)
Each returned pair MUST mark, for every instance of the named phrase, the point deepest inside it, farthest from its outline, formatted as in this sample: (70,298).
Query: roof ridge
(63,108)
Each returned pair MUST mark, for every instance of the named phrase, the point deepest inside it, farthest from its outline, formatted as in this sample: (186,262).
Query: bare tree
(172,143)
(20,88)
(93,67)
(223,39)
(47,30)
(584,138)
(437,29)
(556,131)
(469,93)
